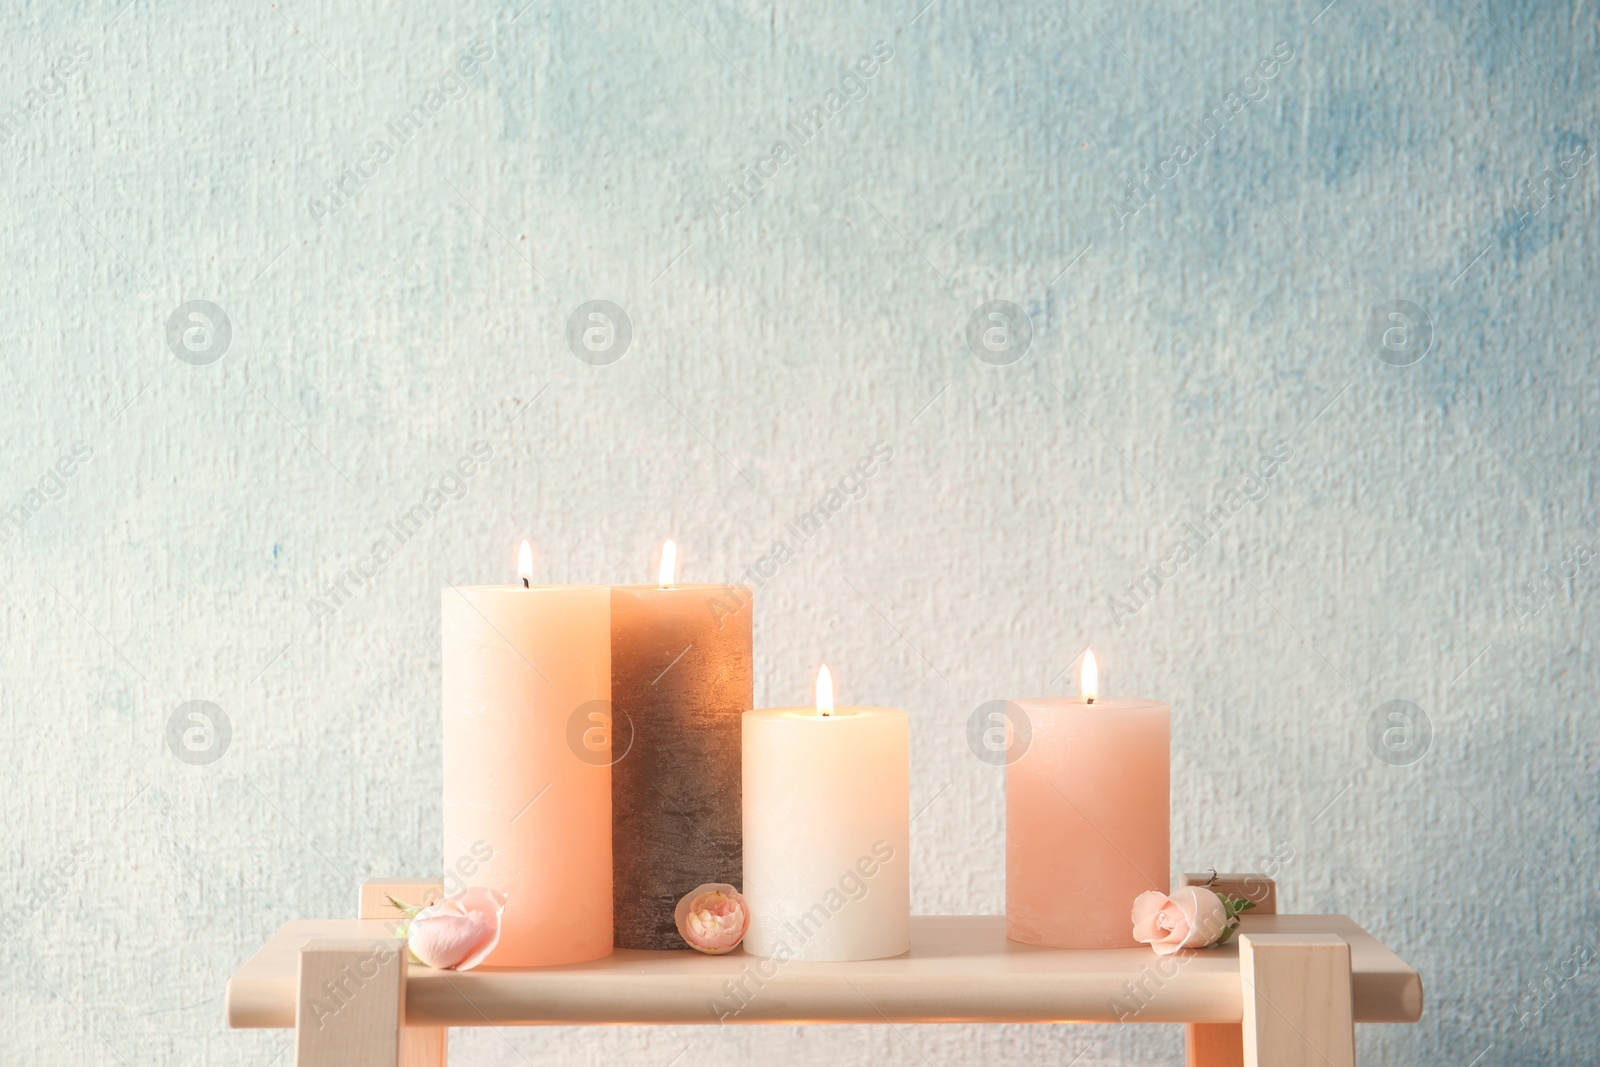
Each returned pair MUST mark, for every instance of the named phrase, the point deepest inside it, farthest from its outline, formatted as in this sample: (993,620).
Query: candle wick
(525,584)
(1090,699)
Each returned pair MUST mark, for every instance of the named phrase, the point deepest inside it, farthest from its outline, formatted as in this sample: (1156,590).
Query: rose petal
(714,927)
(1176,923)
(442,941)
(1202,920)
(1147,907)
(488,903)
(459,931)
(713,918)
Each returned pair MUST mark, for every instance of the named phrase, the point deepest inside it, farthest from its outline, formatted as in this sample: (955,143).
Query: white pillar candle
(527,762)
(827,831)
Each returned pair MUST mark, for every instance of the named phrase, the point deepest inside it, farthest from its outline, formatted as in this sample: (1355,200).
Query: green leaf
(410,910)
(1235,906)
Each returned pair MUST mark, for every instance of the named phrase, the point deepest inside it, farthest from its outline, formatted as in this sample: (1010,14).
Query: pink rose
(459,931)
(1190,917)
(713,918)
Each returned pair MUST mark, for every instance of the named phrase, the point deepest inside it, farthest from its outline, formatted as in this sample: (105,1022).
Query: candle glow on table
(827,816)
(1088,815)
(681,679)
(523,814)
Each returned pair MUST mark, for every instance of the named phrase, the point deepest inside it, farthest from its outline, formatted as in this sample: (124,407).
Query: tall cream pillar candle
(1088,810)
(827,831)
(527,688)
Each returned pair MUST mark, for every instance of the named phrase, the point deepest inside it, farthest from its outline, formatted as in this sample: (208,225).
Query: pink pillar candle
(527,769)
(1087,819)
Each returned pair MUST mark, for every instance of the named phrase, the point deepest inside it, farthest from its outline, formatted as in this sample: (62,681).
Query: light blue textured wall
(1179,333)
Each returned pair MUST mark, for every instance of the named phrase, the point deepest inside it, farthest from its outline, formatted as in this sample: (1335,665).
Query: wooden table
(1285,992)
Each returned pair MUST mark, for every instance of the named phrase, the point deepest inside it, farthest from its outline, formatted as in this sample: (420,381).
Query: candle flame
(669,563)
(1089,678)
(824,691)
(525,563)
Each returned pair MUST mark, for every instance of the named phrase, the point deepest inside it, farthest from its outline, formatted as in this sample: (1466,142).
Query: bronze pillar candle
(680,685)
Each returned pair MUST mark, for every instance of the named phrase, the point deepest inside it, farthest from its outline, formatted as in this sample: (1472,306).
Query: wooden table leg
(1222,1044)
(350,1007)
(420,1046)
(1214,1045)
(1296,1000)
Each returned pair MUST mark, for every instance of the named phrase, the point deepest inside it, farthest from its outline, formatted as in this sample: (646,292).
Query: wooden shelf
(959,969)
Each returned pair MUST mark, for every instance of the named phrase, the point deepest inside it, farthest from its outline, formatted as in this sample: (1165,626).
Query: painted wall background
(1429,539)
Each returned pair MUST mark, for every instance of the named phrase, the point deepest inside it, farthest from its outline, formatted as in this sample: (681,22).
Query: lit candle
(827,830)
(1087,816)
(680,681)
(525,667)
